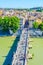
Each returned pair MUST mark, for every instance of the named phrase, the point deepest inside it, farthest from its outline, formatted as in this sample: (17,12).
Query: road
(20,55)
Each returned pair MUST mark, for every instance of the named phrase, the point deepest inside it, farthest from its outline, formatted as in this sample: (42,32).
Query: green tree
(10,23)
(0,21)
(35,25)
(5,23)
(41,26)
(14,25)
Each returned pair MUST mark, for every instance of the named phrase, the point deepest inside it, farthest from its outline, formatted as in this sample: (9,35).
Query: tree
(0,21)
(35,25)
(39,10)
(9,23)
(14,23)
(41,26)
(5,23)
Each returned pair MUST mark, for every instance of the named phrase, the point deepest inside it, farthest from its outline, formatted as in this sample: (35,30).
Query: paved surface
(20,55)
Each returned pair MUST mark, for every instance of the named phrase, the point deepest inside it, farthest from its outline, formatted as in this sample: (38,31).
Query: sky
(21,3)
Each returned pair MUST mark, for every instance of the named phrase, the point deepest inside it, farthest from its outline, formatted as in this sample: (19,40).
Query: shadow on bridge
(9,57)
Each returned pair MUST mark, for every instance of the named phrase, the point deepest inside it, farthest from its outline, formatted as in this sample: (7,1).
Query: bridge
(26,18)
(19,58)
(23,18)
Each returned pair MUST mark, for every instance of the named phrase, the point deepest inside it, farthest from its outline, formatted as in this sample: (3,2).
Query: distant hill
(28,9)
(37,9)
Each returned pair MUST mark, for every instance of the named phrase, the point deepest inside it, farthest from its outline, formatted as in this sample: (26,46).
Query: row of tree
(36,25)
(9,23)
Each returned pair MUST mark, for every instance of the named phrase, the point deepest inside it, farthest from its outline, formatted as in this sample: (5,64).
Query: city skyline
(21,3)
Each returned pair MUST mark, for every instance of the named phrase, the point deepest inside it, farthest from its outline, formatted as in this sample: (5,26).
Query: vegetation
(39,10)
(9,23)
(37,47)
(5,46)
(38,26)
(41,26)
(35,25)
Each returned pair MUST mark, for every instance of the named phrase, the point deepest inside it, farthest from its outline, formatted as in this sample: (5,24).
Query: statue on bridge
(26,25)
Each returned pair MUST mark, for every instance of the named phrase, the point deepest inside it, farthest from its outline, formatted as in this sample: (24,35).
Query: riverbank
(36,51)
(5,46)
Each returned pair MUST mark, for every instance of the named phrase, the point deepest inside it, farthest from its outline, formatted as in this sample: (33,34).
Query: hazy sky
(20,3)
